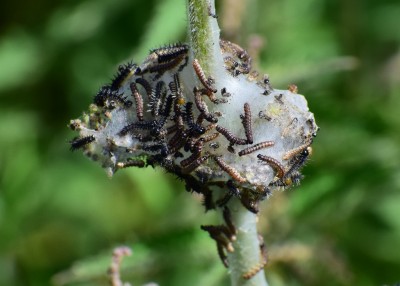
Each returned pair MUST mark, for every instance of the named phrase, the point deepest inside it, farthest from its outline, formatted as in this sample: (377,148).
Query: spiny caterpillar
(230,137)
(202,77)
(229,169)
(78,143)
(260,265)
(246,121)
(256,147)
(109,98)
(274,164)
(124,72)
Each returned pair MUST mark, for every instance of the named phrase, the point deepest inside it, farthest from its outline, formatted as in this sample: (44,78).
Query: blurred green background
(60,216)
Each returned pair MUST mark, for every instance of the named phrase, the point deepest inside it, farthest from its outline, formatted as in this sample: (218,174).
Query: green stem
(202,33)
(247,247)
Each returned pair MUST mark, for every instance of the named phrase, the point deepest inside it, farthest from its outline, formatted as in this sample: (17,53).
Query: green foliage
(60,216)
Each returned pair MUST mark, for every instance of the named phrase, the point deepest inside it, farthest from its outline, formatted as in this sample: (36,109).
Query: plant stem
(247,247)
(203,32)
(204,40)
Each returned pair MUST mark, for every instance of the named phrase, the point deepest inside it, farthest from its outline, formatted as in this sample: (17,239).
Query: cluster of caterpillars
(173,125)
(223,235)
